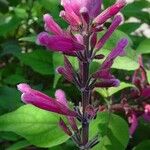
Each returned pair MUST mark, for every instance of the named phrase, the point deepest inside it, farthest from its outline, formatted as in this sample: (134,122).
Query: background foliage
(21,60)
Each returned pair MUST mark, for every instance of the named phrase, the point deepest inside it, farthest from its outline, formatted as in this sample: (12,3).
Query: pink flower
(109,12)
(59,43)
(146,114)
(115,23)
(38,99)
(104,75)
(74,8)
(134,123)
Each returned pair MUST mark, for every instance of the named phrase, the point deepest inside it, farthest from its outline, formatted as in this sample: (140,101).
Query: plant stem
(85,101)
(85,92)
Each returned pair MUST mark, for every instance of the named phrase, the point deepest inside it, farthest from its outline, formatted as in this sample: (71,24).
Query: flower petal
(51,25)
(117,51)
(115,23)
(109,12)
(58,43)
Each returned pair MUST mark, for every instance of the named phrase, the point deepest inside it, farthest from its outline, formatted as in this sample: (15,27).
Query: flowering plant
(79,40)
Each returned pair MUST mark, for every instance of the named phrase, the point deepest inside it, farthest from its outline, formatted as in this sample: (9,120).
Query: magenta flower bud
(63,44)
(38,99)
(146,92)
(90,111)
(64,127)
(94,7)
(146,114)
(93,40)
(73,124)
(117,51)
(108,83)
(103,74)
(134,123)
(63,71)
(68,66)
(51,25)
(85,14)
(115,23)
(109,12)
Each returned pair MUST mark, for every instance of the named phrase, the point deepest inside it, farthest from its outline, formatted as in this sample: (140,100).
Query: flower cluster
(135,103)
(80,40)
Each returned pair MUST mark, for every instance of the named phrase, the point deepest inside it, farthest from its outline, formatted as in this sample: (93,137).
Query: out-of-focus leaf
(108,3)
(9,99)
(39,60)
(28,39)
(145,145)
(113,132)
(21,13)
(10,47)
(8,25)
(14,79)
(9,136)
(148,75)
(4,6)
(39,127)
(129,27)
(135,9)
(144,47)
(19,145)
(113,90)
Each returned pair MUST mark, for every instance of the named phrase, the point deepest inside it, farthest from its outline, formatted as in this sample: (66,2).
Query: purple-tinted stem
(85,91)
(85,101)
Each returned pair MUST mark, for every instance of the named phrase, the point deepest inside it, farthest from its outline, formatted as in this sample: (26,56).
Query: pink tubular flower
(119,50)
(115,23)
(146,114)
(134,123)
(59,42)
(109,12)
(73,8)
(38,99)
(104,75)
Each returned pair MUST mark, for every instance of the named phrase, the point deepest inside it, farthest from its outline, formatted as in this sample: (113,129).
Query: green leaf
(8,25)
(145,145)
(135,9)
(127,62)
(129,27)
(144,47)
(10,47)
(113,90)
(39,60)
(148,75)
(9,136)
(9,99)
(19,145)
(14,79)
(39,127)
(113,131)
